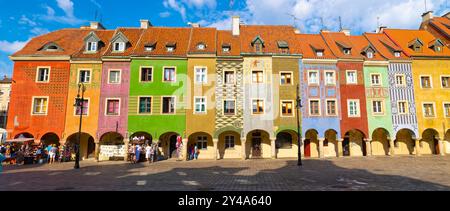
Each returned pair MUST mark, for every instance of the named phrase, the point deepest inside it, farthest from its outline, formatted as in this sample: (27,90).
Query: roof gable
(258,40)
(120,37)
(92,37)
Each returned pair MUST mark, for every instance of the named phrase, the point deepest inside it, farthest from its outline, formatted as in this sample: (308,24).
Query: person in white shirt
(148,148)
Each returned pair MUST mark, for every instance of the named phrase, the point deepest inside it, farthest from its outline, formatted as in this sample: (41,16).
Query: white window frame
(358,108)
(382,113)
(397,54)
(174,105)
(380,79)
(121,47)
(441,77)
(92,49)
(281,108)
(356,77)
(75,107)
(434,109)
(263,77)
(205,74)
(224,76)
(234,142)
(431,81)
(235,109)
(319,104)
(90,75)
(153,74)
(336,107)
(32,105)
(202,141)
(164,70)
(319,53)
(37,74)
(325,77)
(151,105)
(309,79)
(109,76)
(170,49)
(443,106)
(263,103)
(292,77)
(406,107)
(403,80)
(106,106)
(195,105)
(370,54)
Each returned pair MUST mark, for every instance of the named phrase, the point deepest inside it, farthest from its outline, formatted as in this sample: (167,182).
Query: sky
(21,20)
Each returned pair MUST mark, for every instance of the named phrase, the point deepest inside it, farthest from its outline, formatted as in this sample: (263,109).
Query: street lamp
(299,136)
(79,102)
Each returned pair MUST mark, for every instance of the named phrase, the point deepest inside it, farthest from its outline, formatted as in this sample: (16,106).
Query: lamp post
(299,136)
(79,102)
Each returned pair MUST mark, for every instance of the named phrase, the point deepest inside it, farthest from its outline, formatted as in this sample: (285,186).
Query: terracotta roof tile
(105,36)
(403,37)
(361,44)
(271,35)
(206,36)
(226,38)
(310,43)
(132,34)
(385,46)
(333,38)
(443,25)
(161,36)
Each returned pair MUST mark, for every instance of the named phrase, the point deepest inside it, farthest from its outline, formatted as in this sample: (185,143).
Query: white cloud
(11,47)
(211,4)
(164,14)
(69,18)
(96,3)
(24,20)
(199,8)
(177,6)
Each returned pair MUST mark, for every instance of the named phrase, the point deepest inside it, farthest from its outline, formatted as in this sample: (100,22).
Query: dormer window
(50,47)
(91,46)
(283,46)
(397,54)
(319,53)
(201,46)
(347,51)
(258,47)
(416,45)
(258,44)
(417,48)
(170,47)
(226,48)
(436,45)
(119,46)
(370,54)
(150,46)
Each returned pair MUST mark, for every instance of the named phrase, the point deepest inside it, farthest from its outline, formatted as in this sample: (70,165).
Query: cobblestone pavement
(337,174)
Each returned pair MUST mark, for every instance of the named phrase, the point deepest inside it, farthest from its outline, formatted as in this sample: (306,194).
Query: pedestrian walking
(138,153)
(152,153)
(196,152)
(156,152)
(191,152)
(148,149)
(52,153)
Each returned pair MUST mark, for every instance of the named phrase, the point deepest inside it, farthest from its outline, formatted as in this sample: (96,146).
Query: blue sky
(21,20)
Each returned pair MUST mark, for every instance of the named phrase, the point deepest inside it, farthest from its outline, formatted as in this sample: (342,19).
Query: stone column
(184,153)
(273,147)
(126,141)
(368,147)
(321,148)
(97,151)
(417,146)
(441,146)
(243,149)
(340,149)
(391,147)
(302,147)
(216,143)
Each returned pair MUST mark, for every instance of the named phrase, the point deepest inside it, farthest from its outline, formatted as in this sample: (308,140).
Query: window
(40,106)
(314,107)
(84,76)
(402,107)
(428,110)
(146,74)
(201,46)
(229,142)
(168,105)
(200,105)
(417,48)
(169,74)
(226,49)
(352,77)
(377,107)
(287,108)
(397,54)
(313,77)
(200,75)
(400,80)
(114,77)
(284,50)
(229,107)
(258,106)
(112,107)
(375,79)
(257,76)
(447,110)
(330,78)
(43,74)
(91,46)
(331,108)
(145,105)
(319,53)
(370,55)
(119,46)
(285,78)
(445,81)
(202,142)
(258,47)
(84,105)
(347,51)
(229,77)
(170,49)
(353,108)
(425,81)
(149,48)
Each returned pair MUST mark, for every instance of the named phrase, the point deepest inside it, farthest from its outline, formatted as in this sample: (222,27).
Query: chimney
(446,15)
(346,31)
(195,25)
(297,31)
(236,22)
(380,29)
(145,24)
(427,16)
(96,25)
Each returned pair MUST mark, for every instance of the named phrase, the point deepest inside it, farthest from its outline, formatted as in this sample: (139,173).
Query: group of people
(151,152)
(193,152)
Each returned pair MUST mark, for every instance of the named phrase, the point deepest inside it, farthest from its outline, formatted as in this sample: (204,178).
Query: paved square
(347,174)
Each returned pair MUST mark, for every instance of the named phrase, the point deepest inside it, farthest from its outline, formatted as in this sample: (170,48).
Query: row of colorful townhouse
(233,93)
